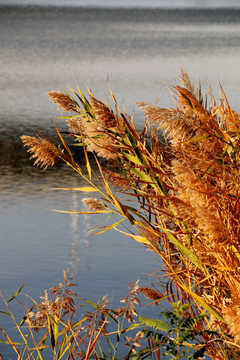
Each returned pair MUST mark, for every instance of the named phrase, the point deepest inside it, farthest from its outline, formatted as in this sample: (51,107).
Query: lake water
(52,47)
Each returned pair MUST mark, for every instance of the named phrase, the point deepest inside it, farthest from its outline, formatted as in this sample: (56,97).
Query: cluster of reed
(50,326)
(186,183)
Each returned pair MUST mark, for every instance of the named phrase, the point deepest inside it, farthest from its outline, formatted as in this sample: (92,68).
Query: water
(129,3)
(138,49)
(47,47)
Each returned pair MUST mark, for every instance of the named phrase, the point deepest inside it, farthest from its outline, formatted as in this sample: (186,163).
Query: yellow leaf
(139,238)
(83,188)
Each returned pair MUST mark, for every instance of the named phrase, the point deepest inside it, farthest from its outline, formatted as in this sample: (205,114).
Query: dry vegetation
(187,187)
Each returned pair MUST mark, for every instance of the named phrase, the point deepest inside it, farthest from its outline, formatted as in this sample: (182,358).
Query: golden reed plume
(42,150)
(186,185)
(64,101)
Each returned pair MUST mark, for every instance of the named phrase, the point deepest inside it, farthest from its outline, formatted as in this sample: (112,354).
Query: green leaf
(51,333)
(132,327)
(16,294)
(142,175)
(61,350)
(189,254)
(9,343)
(155,323)
(91,303)
(133,159)
(5,313)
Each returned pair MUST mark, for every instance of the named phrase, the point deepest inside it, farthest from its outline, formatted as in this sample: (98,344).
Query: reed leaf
(83,189)
(186,252)
(107,228)
(133,158)
(12,343)
(185,190)
(155,323)
(138,238)
(199,300)
(83,212)
(16,293)
(89,169)
(5,313)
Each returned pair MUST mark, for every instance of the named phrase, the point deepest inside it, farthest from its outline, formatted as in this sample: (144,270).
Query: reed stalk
(186,187)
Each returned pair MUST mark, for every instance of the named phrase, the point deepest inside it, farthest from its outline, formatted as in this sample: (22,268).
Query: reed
(50,330)
(186,186)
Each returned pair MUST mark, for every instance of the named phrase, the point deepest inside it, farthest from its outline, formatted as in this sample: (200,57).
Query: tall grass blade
(16,293)
(12,343)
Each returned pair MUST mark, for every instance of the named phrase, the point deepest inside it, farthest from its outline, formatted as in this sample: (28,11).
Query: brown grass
(187,188)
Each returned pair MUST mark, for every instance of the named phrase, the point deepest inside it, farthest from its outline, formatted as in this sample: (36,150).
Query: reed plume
(185,189)
(55,304)
(104,115)
(232,316)
(42,150)
(65,102)
(93,204)
(76,127)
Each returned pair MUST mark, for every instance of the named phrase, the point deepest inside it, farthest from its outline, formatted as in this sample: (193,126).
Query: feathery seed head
(190,104)
(231,314)
(76,126)
(64,101)
(186,82)
(93,204)
(42,150)
(104,115)
(118,180)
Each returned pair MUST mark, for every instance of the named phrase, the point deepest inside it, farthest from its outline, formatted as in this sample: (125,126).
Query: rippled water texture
(45,48)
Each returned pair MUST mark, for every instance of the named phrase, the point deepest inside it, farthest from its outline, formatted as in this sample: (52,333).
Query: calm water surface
(45,48)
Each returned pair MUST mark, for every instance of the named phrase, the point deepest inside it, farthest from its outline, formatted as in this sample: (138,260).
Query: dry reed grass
(188,193)
(51,327)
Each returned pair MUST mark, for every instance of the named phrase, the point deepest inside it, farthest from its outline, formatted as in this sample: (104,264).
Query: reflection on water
(51,48)
(82,238)
(38,243)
